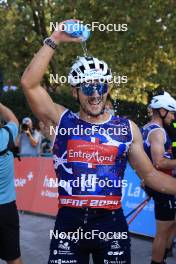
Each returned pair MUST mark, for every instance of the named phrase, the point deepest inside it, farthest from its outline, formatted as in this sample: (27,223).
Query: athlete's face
(94,104)
(169,118)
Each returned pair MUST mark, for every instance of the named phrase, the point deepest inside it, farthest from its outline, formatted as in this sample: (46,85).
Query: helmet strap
(162,117)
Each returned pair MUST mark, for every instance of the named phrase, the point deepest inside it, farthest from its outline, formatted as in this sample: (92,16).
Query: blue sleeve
(13,128)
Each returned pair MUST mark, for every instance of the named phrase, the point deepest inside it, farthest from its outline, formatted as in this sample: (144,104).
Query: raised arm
(7,114)
(38,99)
(141,163)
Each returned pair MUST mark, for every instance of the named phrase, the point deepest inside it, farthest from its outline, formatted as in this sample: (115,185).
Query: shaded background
(145,53)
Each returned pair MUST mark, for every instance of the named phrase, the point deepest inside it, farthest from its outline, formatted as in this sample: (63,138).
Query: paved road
(35,242)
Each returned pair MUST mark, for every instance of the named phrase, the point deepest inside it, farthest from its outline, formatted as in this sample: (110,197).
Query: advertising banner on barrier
(133,195)
(36,188)
(35,185)
(27,172)
(46,198)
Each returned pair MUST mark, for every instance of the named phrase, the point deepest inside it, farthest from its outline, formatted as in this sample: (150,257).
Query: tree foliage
(145,53)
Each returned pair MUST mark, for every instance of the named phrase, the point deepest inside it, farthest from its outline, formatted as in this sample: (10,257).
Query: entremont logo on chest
(91,152)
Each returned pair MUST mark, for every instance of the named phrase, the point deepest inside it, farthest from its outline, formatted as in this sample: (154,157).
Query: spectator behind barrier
(46,145)
(29,139)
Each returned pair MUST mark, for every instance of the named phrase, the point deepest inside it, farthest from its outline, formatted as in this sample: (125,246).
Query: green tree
(145,52)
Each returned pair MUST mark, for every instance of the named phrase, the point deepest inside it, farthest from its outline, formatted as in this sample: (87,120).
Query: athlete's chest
(98,149)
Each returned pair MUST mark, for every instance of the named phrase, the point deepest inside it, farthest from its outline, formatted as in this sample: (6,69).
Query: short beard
(92,114)
(166,126)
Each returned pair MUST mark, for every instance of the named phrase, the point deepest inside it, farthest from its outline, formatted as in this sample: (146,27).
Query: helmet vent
(171,106)
(92,66)
(101,66)
(74,73)
(88,58)
(87,69)
(82,68)
(108,71)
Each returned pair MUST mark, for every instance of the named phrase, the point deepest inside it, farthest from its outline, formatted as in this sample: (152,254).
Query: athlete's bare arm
(157,142)
(38,99)
(141,163)
(7,114)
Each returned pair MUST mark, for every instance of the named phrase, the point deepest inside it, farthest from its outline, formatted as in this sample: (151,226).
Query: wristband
(51,43)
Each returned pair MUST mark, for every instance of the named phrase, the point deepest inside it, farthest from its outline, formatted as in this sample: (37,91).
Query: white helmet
(165,101)
(88,69)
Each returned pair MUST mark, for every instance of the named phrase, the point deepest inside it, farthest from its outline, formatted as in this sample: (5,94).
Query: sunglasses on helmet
(89,88)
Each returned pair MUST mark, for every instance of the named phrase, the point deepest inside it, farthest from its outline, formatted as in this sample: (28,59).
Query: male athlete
(89,164)
(158,147)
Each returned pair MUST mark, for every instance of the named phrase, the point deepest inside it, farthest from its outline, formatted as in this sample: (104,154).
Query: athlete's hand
(60,36)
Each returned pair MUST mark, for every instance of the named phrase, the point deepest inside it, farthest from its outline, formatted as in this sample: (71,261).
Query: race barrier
(36,187)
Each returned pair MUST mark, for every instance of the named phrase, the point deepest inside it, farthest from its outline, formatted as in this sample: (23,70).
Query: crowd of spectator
(32,140)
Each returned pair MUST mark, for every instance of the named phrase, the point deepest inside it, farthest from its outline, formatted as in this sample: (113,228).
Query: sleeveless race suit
(164,203)
(89,161)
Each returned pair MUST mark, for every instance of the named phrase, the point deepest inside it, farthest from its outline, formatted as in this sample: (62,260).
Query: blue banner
(133,195)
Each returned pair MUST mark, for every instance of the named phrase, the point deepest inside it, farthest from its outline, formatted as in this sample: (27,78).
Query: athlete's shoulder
(120,119)
(59,108)
(152,126)
(67,115)
(136,132)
